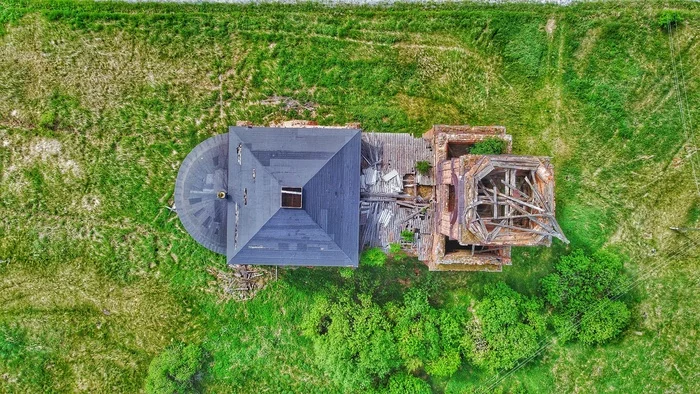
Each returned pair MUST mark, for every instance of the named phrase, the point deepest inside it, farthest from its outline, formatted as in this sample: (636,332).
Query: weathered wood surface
(389,191)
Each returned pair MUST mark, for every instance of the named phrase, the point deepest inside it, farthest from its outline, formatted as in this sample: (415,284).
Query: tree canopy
(353,341)
(506,328)
(427,338)
(583,293)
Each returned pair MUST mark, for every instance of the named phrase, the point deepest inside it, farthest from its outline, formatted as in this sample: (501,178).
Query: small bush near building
(407,235)
(346,272)
(489,146)
(396,252)
(373,257)
(423,167)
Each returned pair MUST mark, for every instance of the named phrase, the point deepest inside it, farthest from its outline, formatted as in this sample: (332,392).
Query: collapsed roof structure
(316,196)
(485,204)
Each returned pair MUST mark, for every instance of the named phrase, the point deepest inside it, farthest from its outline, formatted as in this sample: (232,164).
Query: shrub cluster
(365,345)
(423,167)
(489,146)
(373,257)
(583,294)
(669,19)
(506,328)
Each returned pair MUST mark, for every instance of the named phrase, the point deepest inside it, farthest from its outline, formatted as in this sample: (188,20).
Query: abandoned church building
(316,196)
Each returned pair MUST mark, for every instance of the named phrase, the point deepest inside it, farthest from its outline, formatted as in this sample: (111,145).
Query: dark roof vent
(291,197)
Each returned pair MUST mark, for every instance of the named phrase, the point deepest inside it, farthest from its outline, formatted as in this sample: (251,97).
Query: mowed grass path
(99,103)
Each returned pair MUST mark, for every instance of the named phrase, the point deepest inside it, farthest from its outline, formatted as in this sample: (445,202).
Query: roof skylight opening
(291,197)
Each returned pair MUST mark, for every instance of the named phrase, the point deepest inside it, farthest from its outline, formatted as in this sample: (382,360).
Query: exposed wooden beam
(519,201)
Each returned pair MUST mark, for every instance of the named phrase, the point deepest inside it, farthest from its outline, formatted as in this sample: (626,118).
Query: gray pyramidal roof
(250,225)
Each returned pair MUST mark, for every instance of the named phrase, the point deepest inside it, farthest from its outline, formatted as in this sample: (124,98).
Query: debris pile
(238,282)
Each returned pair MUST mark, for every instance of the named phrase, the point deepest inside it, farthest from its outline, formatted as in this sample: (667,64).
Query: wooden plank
(528,230)
(510,185)
(495,203)
(519,201)
(494,233)
(560,233)
(543,202)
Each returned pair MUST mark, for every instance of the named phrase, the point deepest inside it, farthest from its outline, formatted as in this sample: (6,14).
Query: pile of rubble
(238,282)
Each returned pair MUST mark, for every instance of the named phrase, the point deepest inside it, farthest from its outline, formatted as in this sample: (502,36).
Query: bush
(176,370)
(489,146)
(396,252)
(403,383)
(373,257)
(669,19)
(353,342)
(360,344)
(394,248)
(346,272)
(423,167)
(427,338)
(603,323)
(506,329)
(407,235)
(580,292)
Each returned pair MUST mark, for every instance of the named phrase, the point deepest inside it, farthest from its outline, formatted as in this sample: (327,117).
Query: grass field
(99,103)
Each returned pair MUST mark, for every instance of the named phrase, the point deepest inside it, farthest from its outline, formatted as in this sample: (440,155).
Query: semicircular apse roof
(202,176)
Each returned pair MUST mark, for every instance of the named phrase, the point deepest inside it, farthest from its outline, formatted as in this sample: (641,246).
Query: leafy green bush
(605,322)
(423,167)
(404,383)
(352,341)
(407,235)
(346,272)
(669,19)
(176,370)
(581,293)
(396,252)
(360,344)
(373,257)
(394,248)
(506,328)
(489,146)
(427,338)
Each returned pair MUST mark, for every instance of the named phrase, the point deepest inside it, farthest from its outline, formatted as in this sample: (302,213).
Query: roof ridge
(331,158)
(321,169)
(340,248)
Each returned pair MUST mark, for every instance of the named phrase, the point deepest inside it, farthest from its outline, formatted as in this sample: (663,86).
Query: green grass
(99,103)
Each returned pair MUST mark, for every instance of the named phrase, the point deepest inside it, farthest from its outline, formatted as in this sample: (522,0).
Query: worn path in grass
(99,103)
